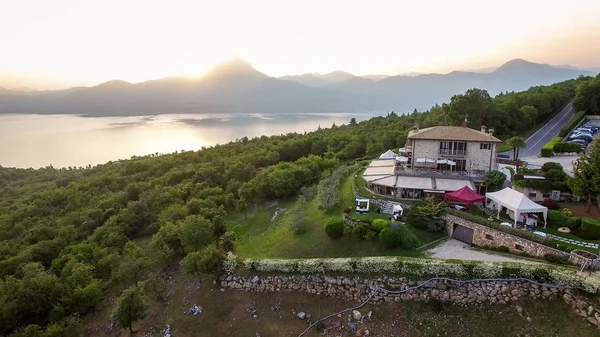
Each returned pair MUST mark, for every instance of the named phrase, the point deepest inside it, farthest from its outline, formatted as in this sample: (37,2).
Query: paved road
(543,135)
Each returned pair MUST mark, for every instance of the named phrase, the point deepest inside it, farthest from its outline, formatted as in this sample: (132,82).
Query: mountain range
(236,87)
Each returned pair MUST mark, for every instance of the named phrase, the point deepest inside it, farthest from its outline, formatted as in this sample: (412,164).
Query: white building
(435,160)
(470,149)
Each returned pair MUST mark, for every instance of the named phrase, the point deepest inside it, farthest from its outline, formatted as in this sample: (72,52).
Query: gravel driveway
(454,249)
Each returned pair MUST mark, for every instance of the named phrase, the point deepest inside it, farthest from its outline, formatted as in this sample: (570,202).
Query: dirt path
(454,249)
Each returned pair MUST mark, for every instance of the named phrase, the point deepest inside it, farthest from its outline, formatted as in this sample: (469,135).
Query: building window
(519,247)
(532,195)
(453,148)
(485,146)
(489,237)
(546,195)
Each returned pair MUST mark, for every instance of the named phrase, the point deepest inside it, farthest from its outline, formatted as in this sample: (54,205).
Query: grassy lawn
(578,209)
(259,237)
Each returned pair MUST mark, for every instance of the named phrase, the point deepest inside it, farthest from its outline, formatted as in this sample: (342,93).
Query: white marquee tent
(516,202)
(389,154)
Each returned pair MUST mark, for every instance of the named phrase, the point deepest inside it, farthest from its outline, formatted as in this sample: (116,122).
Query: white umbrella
(402,159)
(446,161)
(425,160)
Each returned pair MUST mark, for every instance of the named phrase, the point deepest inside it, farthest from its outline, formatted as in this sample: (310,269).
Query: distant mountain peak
(518,64)
(337,76)
(113,84)
(236,68)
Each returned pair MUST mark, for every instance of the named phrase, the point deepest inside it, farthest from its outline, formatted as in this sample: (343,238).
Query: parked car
(587,138)
(581,142)
(582,130)
(593,128)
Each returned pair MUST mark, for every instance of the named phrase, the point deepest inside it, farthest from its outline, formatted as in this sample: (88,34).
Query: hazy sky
(61,43)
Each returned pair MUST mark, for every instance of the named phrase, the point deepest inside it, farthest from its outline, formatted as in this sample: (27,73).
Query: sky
(62,43)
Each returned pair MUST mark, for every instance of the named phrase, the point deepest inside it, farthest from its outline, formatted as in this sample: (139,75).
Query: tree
(494,178)
(196,232)
(206,261)
(334,227)
(587,97)
(516,143)
(352,121)
(130,308)
(476,105)
(586,179)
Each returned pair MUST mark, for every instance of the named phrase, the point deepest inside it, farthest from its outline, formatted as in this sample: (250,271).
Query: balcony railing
(453,152)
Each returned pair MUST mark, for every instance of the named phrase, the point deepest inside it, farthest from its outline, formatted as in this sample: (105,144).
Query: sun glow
(72,42)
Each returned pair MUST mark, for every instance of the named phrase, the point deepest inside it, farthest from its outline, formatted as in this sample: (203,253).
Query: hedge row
(567,148)
(548,148)
(546,186)
(571,124)
(559,219)
(424,268)
(591,228)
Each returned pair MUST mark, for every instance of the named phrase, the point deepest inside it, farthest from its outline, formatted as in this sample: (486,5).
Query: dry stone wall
(359,289)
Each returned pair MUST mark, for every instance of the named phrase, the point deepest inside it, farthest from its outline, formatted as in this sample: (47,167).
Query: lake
(71,140)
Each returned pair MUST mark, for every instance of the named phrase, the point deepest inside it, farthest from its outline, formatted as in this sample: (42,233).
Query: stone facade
(480,159)
(486,236)
(359,289)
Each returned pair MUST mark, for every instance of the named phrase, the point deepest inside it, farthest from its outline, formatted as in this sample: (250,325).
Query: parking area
(454,249)
(565,161)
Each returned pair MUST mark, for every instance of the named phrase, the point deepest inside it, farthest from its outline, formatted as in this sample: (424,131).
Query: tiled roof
(452,133)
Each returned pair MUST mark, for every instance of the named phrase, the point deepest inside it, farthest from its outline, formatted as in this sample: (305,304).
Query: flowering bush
(230,263)
(567,212)
(425,268)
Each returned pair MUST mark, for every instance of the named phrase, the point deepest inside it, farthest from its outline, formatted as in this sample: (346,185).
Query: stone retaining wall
(486,236)
(358,289)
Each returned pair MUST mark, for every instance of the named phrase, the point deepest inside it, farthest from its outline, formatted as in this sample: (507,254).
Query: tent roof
(389,154)
(465,194)
(516,201)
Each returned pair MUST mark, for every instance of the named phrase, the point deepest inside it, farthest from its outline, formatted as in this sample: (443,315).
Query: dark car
(581,142)
(583,137)
(591,127)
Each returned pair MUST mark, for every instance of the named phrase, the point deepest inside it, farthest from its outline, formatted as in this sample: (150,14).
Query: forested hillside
(68,235)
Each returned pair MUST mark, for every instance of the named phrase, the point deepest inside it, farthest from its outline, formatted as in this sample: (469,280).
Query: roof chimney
(416,128)
(491,132)
(483,128)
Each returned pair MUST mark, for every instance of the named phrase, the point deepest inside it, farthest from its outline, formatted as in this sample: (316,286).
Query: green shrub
(380,224)
(556,259)
(360,230)
(567,147)
(555,175)
(571,124)
(592,227)
(334,227)
(557,219)
(551,166)
(550,203)
(573,223)
(390,238)
(371,235)
(547,150)
(408,239)
(503,249)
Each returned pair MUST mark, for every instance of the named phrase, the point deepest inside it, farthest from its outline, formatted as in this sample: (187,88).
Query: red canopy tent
(466,195)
